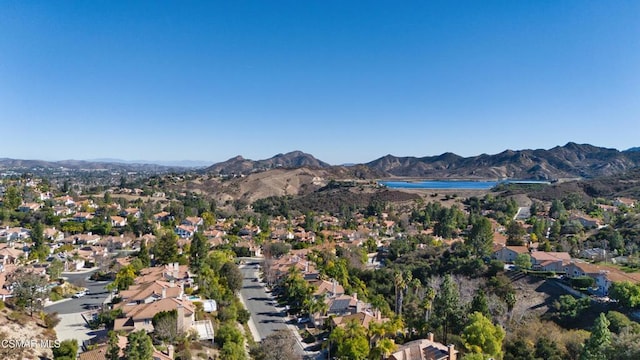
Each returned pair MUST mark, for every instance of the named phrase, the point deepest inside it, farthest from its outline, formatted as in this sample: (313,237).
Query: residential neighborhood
(160,268)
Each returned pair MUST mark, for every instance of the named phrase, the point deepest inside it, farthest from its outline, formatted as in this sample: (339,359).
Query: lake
(453,184)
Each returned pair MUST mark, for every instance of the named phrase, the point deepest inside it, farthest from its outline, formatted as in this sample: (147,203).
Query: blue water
(452,185)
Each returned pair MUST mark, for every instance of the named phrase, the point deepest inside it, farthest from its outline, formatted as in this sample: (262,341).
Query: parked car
(79,294)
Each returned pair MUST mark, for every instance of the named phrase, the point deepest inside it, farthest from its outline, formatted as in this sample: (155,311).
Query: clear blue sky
(347,81)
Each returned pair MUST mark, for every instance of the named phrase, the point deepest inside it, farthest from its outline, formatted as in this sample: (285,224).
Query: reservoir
(453,184)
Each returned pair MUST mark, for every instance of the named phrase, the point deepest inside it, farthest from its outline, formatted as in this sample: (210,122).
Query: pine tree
(166,248)
(597,346)
(446,306)
(143,254)
(197,251)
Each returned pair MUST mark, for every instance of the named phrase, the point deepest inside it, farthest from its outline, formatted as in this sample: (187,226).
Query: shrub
(51,320)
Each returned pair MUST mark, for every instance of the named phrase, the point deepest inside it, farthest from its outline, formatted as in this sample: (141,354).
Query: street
(96,296)
(266,317)
(72,324)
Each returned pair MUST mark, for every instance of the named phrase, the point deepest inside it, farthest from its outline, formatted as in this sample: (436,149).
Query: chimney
(164,292)
(334,287)
(453,353)
(430,336)
(180,319)
(170,351)
(355,296)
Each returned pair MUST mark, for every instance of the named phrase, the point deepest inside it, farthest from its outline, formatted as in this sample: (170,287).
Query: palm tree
(427,303)
(400,285)
(383,349)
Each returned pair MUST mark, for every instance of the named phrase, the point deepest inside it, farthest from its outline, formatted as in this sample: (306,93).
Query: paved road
(97,295)
(266,317)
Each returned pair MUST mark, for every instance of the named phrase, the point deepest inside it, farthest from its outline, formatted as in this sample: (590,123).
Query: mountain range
(569,161)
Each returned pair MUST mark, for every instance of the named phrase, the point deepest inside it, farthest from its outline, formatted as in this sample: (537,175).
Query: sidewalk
(83,271)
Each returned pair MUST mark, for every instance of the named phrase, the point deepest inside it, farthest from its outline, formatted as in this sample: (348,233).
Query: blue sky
(347,81)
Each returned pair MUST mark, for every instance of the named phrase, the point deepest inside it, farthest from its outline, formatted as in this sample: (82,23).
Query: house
(139,316)
(424,349)
(586,220)
(16,233)
(65,200)
(162,216)
(53,234)
(595,254)
(508,254)
(118,242)
(549,261)
(343,305)
(362,318)
(624,202)
(134,212)
(153,291)
(9,255)
(29,207)
(87,239)
(324,288)
(185,231)
(82,217)
(60,210)
(100,352)
(118,221)
(604,276)
(194,221)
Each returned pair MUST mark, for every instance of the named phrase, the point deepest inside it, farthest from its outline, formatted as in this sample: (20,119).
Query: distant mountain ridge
(18,164)
(240,165)
(569,161)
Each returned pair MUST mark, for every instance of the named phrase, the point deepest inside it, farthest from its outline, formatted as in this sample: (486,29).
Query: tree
(198,251)
(515,233)
(139,346)
(482,337)
(446,306)
(383,349)
(233,351)
(30,290)
(618,322)
(124,278)
(523,261)
(627,293)
(480,238)
(547,349)
(232,275)
(480,303)
(277,249)
(598,344)
(67,350)
(557,209)
(165,326)
(143,254)
(113,349)
(54,270)
(518,349)
(351,341)
(279,345)
(569,308)
(166,248)
(625,346)
(400,284)
(12,198)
